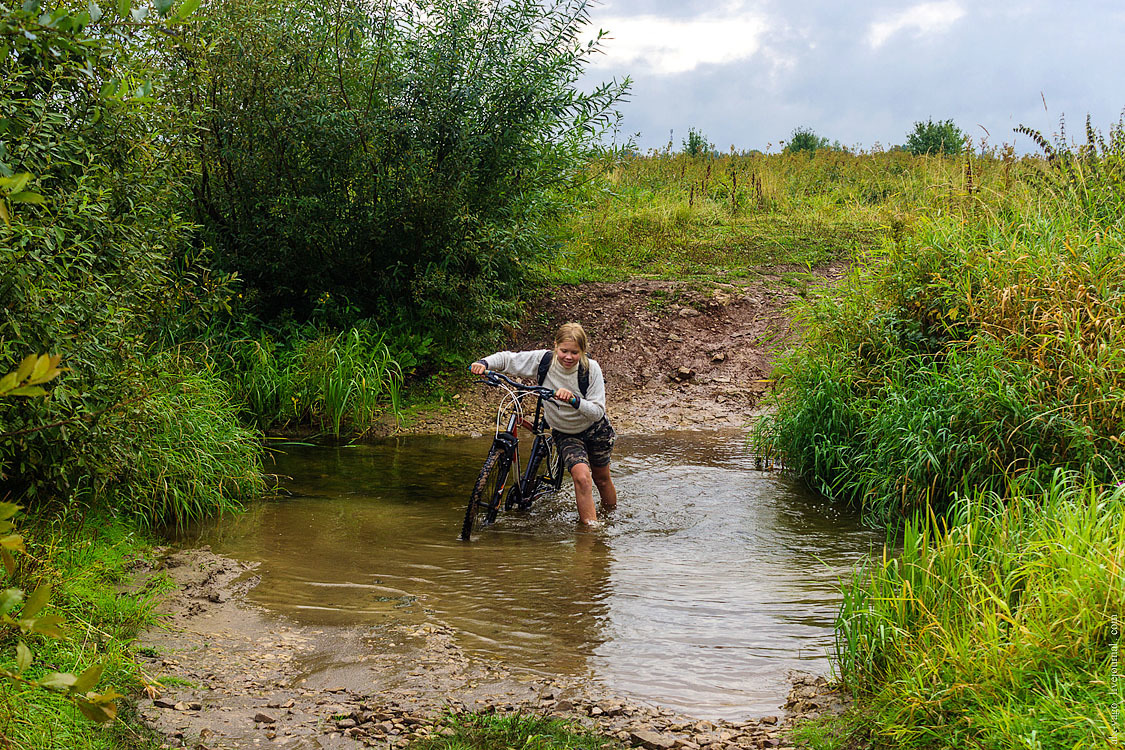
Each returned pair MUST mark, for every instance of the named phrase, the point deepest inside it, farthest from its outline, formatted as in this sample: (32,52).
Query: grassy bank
(86,562)
(965,387)
(491,732)
(681,216)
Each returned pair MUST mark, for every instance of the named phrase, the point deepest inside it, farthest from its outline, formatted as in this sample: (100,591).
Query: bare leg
(584,493)
(606,490)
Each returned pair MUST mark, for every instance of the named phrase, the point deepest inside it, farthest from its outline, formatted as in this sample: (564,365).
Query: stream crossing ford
(709,583)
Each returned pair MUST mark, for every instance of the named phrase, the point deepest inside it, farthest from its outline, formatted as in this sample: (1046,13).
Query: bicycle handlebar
(493,378)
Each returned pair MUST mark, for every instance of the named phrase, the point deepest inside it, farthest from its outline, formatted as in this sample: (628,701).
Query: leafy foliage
(806,140)
(397,157)
(982,348)
(26,382)
(98,266)
(931,137)
(696,144)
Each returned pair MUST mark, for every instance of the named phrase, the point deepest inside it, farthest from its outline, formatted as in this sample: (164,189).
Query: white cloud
(921,19)
(665,45)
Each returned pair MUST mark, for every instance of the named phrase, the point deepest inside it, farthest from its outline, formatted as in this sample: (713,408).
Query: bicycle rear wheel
(485,498)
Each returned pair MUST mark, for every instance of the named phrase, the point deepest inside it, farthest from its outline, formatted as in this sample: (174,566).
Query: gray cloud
(816,66)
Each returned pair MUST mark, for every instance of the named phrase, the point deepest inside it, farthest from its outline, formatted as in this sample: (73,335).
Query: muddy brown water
(699,593)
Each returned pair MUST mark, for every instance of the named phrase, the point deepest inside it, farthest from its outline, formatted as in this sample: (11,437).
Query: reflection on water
(700,592)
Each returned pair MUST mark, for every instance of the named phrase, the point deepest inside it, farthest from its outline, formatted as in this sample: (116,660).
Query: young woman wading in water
(583,434)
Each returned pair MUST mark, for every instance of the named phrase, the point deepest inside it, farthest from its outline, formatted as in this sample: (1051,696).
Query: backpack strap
(583,373)
(544,365)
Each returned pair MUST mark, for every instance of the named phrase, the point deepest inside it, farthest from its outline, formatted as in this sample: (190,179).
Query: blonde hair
(576,333)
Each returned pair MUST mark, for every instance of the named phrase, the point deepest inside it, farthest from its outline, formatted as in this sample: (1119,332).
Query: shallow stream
(709,583)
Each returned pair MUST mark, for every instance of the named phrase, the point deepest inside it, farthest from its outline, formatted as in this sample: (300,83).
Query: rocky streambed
(225,674)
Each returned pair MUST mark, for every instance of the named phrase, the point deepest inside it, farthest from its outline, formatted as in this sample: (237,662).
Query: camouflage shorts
(592,446)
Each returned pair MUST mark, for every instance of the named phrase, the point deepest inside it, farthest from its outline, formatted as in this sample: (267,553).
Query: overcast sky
(747,72)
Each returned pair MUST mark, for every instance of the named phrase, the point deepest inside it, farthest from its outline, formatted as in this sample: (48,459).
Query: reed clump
(998,627)
(180,453)
(334,381)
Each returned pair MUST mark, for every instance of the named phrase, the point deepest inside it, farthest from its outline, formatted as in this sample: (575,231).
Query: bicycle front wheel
(485,499)
(544,472)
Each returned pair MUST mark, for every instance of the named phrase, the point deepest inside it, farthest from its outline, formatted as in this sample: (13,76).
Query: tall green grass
(674,215)
(180,452)
(485,732)
(999,627)
(981,346)
(337,382)
(960,381)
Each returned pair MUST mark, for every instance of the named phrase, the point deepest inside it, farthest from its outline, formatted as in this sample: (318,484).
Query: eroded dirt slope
(675,356)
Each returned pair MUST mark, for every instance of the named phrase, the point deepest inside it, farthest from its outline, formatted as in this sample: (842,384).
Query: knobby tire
(485,498)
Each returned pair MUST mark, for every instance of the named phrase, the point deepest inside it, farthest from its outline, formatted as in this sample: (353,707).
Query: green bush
(931,137)
(696,144)
(806,140)
(395,160)
(93,178)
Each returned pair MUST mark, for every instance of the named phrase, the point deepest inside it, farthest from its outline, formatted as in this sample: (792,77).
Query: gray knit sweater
(561,417)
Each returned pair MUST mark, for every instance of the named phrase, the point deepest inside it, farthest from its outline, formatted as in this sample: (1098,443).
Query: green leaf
(28,390)
(16,182)
(99,712)
(123,8)
(37,601)
(57,681)
(187,7)
(23,656)
(88,679)
(95,12)
(7,510)
(9,598)
(9,564)
(47,625)
(12,542)
(26,367)
(26,197)
(42,366)
(99,707)
(8,382)
(162,6)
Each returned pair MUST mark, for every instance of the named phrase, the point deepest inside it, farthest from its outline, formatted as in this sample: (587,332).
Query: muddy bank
(233,676)
(675,355)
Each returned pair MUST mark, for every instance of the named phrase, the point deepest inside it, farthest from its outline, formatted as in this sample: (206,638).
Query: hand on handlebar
(494,378)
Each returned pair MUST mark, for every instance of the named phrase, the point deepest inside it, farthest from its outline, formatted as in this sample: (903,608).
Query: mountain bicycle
(543,474)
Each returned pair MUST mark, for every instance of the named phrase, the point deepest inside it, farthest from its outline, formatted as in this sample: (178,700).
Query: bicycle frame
(507,439)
